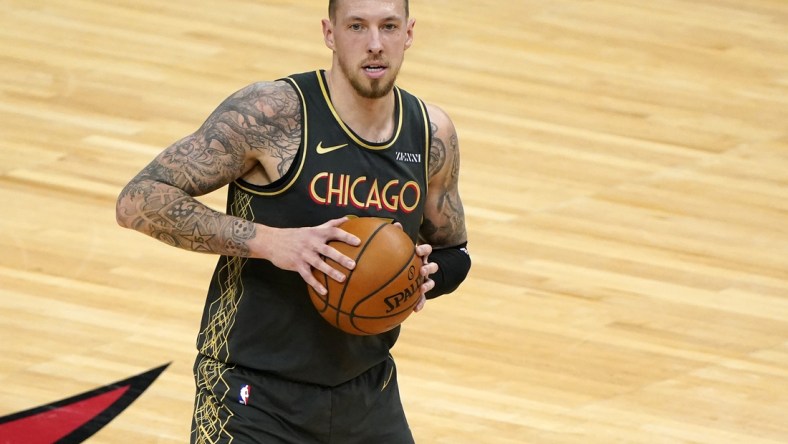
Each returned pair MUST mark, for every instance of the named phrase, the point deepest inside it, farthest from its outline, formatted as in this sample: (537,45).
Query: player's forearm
(172,216)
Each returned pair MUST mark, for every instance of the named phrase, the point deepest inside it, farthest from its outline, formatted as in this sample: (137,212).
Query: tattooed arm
(238,137)
(446,260)
(254,134)
(444,217)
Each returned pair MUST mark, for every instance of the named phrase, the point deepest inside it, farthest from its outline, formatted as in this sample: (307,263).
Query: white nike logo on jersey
(327,149)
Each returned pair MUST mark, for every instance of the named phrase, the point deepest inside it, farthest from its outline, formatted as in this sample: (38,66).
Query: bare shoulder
(444,139)
(437,114)
(264,116)
(262,101)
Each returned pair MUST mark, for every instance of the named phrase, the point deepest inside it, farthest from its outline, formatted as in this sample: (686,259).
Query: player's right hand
(301,249)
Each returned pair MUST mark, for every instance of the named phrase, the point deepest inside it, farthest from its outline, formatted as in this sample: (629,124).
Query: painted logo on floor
(77,418)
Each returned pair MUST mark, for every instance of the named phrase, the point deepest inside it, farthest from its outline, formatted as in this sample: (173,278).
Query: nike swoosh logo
(327,149)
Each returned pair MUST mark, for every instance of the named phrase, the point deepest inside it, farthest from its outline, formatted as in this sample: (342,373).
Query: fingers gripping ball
(381,292)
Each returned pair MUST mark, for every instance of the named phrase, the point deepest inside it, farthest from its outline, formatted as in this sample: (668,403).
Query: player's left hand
(427,269)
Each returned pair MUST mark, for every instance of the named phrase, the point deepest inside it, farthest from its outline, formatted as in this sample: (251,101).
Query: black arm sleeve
(453,266)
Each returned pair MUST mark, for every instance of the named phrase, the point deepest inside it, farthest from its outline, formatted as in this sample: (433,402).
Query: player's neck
(372,119)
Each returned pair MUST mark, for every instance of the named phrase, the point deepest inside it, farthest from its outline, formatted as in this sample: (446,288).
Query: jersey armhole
(287,180)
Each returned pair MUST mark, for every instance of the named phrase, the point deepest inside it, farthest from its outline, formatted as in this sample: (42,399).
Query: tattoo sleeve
(444,222)
(262,120)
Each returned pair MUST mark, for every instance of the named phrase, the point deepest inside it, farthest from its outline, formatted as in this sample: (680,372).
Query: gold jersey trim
(428,145)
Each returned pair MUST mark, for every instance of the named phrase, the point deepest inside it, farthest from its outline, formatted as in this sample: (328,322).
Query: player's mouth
(375,70)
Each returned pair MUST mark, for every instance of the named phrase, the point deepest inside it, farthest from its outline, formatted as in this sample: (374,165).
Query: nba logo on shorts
(245,391)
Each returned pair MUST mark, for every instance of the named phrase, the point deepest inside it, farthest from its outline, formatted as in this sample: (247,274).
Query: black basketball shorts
(243,406)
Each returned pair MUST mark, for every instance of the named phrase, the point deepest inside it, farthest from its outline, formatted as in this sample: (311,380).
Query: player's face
(369,39)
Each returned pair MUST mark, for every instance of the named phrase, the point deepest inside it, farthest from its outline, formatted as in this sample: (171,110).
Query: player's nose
(374,45)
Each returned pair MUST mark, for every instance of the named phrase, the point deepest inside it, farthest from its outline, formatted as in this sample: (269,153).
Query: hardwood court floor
(624,173)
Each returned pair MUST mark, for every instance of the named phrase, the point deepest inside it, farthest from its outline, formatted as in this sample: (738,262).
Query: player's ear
(328,33)
(409,31)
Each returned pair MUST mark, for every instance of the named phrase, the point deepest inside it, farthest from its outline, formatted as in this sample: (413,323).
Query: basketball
(381,292)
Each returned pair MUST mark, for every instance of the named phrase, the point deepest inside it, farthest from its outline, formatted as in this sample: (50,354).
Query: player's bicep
(444,216)
(198,163)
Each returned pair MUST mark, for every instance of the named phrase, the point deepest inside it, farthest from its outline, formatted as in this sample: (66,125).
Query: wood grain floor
(625,176)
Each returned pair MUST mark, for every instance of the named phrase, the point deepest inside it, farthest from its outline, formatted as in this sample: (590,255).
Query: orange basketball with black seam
(383,288)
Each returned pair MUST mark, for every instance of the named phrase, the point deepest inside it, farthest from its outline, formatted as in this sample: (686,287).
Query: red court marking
(52,425)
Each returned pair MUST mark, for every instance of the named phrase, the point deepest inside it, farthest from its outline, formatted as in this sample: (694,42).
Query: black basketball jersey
(260,316)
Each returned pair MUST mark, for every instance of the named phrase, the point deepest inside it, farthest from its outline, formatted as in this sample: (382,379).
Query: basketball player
(300,154)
